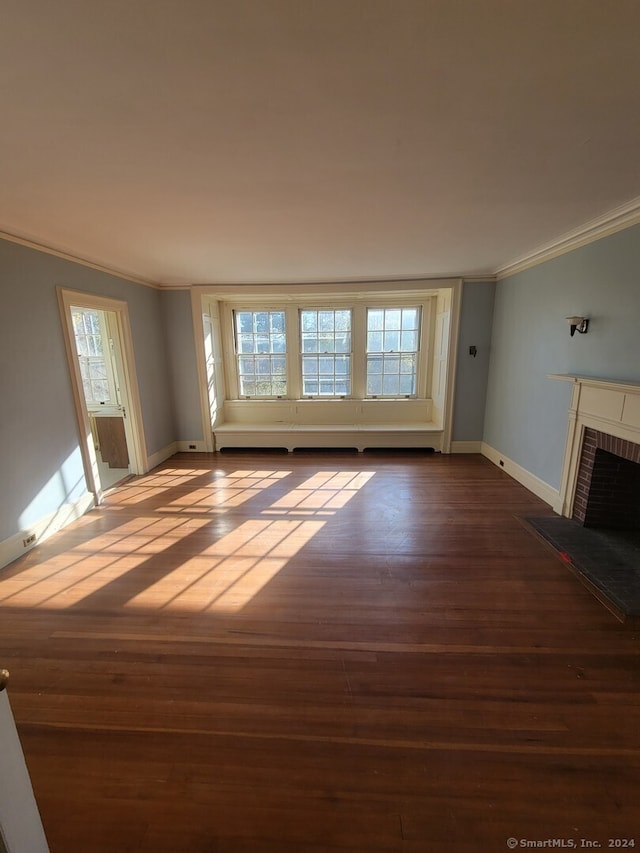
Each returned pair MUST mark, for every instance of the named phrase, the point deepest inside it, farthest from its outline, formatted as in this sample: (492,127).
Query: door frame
(123,344)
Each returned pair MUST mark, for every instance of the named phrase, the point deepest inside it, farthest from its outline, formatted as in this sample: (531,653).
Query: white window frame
(420,307)
(352,355)
(107,357)
(358,344)
(238,355)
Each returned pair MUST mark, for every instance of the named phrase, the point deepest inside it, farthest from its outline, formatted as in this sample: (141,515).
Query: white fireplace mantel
(607,405)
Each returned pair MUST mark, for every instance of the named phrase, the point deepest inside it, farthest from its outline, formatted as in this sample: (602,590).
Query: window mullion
(359,352)
(294,359)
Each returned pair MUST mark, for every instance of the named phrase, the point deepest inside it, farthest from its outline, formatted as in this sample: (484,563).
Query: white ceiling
(199,141)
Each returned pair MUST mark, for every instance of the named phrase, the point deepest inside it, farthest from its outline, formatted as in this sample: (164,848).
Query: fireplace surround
(602,453)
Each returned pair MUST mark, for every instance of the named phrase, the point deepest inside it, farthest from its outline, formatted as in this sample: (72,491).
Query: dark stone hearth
(609,560)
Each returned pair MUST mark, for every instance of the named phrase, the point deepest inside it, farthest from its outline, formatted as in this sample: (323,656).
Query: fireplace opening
(614,496)
(608,485)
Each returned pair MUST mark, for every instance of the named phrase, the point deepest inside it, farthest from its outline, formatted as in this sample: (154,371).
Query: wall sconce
(578,324)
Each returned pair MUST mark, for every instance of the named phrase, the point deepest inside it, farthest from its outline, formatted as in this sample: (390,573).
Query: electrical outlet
(502,463)
(192,447)
(29,540)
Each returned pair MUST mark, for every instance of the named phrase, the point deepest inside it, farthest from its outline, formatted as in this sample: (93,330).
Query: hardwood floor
(309,653)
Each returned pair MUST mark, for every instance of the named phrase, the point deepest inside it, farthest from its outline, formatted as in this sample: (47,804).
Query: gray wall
(526,413)
(41,462)
(178,325)
(476,315)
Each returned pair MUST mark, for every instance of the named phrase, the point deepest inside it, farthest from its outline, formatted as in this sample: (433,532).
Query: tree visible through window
(325,341)
(393,336)
(261,352)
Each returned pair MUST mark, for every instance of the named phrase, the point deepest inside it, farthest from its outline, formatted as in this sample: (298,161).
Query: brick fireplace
(600,473)
(607,490)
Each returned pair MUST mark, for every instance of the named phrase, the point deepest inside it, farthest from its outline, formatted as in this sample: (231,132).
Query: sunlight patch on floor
(67,578)
(231,571)
(226,492)
(144,562)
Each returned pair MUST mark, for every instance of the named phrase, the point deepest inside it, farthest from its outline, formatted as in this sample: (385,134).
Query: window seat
(355,423)
(340,435)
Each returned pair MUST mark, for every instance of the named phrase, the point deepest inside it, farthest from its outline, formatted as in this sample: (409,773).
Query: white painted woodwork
(358,421)
(607,405)
(20,824)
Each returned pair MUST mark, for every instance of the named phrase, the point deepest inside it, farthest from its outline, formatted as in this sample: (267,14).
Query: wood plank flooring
(309,653)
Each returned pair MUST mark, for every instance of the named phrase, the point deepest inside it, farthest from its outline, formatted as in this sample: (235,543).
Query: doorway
(100,357)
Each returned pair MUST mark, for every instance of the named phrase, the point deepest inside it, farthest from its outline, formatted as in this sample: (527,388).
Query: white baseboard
(167,452)
(466,447)
(160,456)
(14,547)
(539,488)
(190,447)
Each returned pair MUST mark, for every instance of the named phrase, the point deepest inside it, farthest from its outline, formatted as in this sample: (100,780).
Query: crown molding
(624,216)
(67,256)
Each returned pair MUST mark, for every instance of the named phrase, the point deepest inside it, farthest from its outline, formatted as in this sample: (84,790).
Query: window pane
(309,343)
(309,366)
(261,321)
(374,385)
(97,370)
(409,341)
(277,322)
(326,365)
(92,345)
(309,321)
(408,364)
(326,343)
(326,322)
(374,364)
(343,342)
(391,341)
(262,343)
(245,343)
(390,385)
(342,365)
(100,390)
(407,384)
(78,324)
(244,322)
(409,318)
(374,342)
(343,321)
(93,322)
(278,343)
(245,365)
(375,320)
(392,318)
